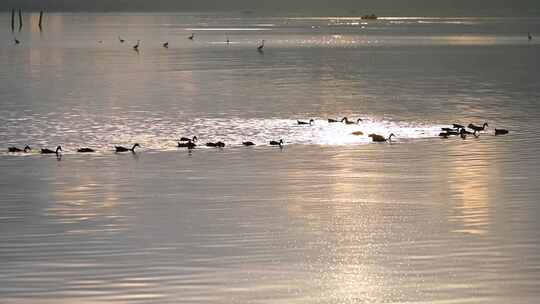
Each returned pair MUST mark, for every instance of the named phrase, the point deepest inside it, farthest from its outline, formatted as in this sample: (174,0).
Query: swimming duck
(347,122)
(48,151)
(166,45)
(15,149)
(218,144)
(248,143)
(276,143)
(124,149)
(85,150)
(190,144)
(188,139)
(260,46)
(477,128)
(458,126)
(191,37)
(500,131)
(357,133)
(330,120)
(380,138)
(305,123)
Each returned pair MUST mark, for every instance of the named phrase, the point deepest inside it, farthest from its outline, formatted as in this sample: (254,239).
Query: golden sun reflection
(469,180)
(83,201)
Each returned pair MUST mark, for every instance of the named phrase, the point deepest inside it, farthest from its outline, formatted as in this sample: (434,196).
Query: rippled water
(330,218)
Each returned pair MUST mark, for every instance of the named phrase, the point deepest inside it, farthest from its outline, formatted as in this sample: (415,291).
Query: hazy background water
(330,218)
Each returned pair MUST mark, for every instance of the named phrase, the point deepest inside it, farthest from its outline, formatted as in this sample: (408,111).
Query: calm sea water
(330,218)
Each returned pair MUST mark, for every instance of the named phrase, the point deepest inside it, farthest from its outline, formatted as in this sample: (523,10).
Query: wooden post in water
(40,18)
(12,20)
(20,19)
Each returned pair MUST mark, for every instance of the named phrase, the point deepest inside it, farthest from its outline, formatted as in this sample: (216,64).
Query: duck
(189,144)
(529,36)
(218,144)
(260,46)
(477,128)
(15,149)
(380,138)
(447,129)
(136,46)
(305,123)
(500,131)
(124,149)
(85,150)
(166,45)
(330,120)
(248,143)
(191,37)
(120,39)
(276,143)
(357,133)
(48,151)
(458,126)
(16,41)
(347,122)
(189,139)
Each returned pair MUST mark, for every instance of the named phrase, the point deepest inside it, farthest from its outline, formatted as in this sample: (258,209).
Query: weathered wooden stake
(40,18)
(20,20)
(12,20)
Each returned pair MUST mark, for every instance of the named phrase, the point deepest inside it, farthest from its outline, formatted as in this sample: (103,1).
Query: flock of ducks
(462,131)
(192,142)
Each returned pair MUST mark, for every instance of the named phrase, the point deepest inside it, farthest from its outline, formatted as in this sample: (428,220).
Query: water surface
(330,218)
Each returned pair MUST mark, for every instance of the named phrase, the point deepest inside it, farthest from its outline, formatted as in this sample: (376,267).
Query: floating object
(86,150)
(500,131)
(369,17)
